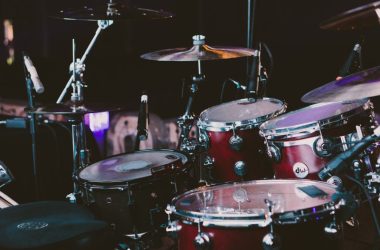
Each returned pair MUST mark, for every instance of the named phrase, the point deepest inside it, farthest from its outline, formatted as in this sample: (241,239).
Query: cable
(368,197)
(271,61)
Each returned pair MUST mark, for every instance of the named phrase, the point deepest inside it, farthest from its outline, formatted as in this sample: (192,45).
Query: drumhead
(312,118)
(240,113)
(131,166)
(244,203)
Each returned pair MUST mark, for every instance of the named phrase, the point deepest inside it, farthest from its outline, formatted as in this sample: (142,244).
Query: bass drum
(302,142)
(231,134)
(131,191)
(236,216)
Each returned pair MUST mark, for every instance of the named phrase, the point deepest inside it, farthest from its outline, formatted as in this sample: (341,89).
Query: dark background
(304,55)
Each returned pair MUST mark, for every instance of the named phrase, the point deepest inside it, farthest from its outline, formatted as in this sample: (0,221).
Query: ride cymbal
(360,85)
(355,19)
(112,11)
(199,52)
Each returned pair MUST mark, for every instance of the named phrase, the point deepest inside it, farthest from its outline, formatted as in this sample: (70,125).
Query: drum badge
(300,170)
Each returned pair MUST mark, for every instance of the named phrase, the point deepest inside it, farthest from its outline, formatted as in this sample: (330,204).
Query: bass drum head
(314,116)
(244,204)
(240,113)
(130,166)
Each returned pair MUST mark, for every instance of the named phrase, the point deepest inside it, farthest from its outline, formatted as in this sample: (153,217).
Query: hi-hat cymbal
(47,223)
(70,109)
(360,85)
(112,11)
(199,52)
(359,18)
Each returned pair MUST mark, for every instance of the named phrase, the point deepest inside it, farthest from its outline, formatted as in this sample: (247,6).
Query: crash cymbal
(112,11)
(199,52)
(359,18)
(46,223)
(360,85)
(70,109)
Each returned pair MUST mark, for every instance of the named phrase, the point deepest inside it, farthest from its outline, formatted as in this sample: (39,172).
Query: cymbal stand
(186,121)
(102,25)
(81,154)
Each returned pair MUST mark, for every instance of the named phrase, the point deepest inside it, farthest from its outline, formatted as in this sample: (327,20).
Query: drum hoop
(241,125)
(122,185)
(314,126)
(301,215)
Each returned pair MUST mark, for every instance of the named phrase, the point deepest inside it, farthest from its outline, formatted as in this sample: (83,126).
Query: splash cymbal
(199,52)
(360,85)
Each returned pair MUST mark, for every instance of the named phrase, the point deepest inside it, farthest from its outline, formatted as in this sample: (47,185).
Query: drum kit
(251,177)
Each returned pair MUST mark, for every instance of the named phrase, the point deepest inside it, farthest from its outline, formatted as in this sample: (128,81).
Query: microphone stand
(32,129)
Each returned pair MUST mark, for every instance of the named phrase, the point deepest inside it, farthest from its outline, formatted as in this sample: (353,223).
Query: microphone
(352,65)
(38,86)
(142,123)
(238,85)
(344,159)
(251,90)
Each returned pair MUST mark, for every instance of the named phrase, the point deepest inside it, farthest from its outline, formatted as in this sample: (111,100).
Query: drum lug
(208,162)
(323,147)
(271,241)
(203,240)
(332,228)
(274,152)
(173,227)
(235,141)
(240,168)
(203,139)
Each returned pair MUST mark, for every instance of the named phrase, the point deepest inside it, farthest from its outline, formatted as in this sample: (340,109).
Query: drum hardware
(203,240)
(78,66)
(240,168)
(332,228)
(6,176)
(323,147)
(271,241)
(236,142)
(344,159)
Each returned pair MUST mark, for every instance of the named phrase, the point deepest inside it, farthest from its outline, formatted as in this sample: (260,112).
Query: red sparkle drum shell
(130,191)
(298,217)
(294,140)
(241,118)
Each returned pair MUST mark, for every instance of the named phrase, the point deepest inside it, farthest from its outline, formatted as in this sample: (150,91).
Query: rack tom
(302,142)
(130,191)
(236,216)
(230,132)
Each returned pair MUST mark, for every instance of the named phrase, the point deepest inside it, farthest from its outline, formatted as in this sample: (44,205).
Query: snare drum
(131,191)
(230,132)
(235,216)
(302,142)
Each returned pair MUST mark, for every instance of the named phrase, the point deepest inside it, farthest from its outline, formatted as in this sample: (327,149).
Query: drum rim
(300,215)
(243,124)
(126,183)
(308,128)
